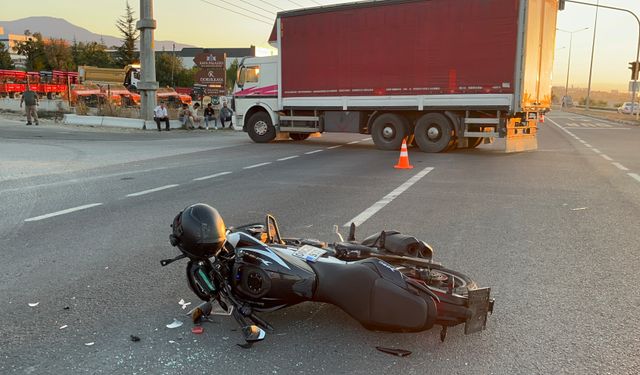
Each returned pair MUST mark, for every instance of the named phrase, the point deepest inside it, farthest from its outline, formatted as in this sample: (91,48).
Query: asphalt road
(86,213)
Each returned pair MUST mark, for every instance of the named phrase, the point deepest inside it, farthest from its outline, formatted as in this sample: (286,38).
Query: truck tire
(299,136)
(433,133)
(260,128)
(388,131)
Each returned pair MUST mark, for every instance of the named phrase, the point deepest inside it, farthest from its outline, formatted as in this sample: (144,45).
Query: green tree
(186,77)
(5,58)
(58,55)
(232,75)
(92,54)
(126,54)
(168,68)
(33,50)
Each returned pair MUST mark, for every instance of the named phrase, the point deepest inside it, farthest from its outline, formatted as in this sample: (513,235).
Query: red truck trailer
(452,73)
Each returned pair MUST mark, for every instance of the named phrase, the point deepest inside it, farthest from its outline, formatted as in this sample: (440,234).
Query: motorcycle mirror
(273,232)
(253,333)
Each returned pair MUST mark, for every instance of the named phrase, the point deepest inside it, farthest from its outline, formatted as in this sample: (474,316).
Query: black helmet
(198,231)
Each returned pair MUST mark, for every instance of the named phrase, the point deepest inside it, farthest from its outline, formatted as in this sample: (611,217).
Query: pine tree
(126,53)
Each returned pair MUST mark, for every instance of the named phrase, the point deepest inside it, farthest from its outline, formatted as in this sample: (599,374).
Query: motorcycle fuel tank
(267,278)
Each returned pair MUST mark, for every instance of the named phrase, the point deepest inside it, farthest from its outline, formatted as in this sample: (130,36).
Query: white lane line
(288,158)
(366,214)
(257,165)
(600,128)
(596,150)
(211,176)
(635,176)
(587,145)
(353,142)
(313,152)
(606,157)
(620,166)
(151,190)
(365,139)
(68,210)
(332,147)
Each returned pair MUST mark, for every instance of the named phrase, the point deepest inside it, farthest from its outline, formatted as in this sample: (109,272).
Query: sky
(205,23)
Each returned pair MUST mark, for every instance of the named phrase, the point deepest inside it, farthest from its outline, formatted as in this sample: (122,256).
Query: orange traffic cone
(403,162)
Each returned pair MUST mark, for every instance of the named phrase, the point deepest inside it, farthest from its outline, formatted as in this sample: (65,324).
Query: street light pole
(566,86)
(635,81)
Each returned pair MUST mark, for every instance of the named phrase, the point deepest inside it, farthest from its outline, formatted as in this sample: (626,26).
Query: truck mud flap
(480,304)
(521,137)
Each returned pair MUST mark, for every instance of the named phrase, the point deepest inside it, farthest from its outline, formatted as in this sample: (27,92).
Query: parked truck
(129,76)
(452,73)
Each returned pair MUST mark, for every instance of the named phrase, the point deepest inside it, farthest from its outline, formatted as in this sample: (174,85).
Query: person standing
(30,100)
(209,116)
(160,114)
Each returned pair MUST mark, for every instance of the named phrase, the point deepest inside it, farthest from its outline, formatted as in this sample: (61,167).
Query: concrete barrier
(118,122)
(45,105)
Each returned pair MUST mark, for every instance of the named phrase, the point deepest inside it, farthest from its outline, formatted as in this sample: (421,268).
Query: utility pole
(148,85)
(635,80)
(566,86)
(593,48)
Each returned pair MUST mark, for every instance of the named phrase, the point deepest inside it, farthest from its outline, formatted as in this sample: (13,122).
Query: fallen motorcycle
(387,281)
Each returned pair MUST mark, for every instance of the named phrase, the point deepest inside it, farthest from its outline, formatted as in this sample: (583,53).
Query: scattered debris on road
(63,327)
(34,304)
(134,338)
(89,343)
(580,209)
(197,330)
(175,324)
(396,352)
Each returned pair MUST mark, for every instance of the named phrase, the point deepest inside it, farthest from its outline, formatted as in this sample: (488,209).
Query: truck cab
(256,91)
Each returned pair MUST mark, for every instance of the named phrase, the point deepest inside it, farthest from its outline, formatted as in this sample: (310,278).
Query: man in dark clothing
(226,115)
(209,116)
(30,100)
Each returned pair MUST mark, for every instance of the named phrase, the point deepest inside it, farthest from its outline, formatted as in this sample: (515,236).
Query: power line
(239,13)
(253,5)
(245,9)
(300,5)
(268,3)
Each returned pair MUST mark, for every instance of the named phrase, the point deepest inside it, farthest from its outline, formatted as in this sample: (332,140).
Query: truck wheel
(260,128)
(388,131)
(299,136)
(433,133)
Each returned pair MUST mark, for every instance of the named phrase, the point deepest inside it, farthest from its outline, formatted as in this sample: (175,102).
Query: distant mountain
(60,28)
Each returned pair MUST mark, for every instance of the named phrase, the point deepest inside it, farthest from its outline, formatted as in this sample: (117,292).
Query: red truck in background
(45,83)
(453,73)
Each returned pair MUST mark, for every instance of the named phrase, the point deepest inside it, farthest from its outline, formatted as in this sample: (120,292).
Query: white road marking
(332,147)
(635,176)
(596,151)
(313,152)
(288,158)
(620,166)
(151,190)
(353,142)
(257,165)
(366,214)
(606,157)
(68,210)
(586,144)
(600,128)
(365,139)
(211,176)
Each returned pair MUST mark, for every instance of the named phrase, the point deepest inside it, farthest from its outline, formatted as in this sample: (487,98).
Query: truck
(49,84)
(129,76)
(445,74)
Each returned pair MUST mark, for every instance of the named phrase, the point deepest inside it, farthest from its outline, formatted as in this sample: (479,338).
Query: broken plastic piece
(183,304)
(66,308)
(175,324)
(64,326)
(197,330)
(580,209)
(89,343)
(34,304)
(134,338)
(397,352)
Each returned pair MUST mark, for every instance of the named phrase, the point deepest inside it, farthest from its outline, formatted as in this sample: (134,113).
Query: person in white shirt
(196,119)
(160,114)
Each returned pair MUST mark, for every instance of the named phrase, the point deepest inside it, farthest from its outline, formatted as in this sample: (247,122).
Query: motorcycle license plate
(479,302)
(309,253)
